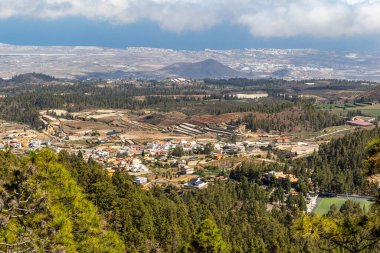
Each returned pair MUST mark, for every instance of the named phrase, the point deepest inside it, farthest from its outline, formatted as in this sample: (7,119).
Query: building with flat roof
(186,170)
(196,183)
(358,123)
(141,180)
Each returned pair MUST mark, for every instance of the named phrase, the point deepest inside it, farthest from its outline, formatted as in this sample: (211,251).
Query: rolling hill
(205,69)
(371,95)
(31,78)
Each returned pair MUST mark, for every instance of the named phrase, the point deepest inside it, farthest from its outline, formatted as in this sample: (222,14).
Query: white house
(182,142)
(186,170)
(141,180)
(138,168)
(196,183)
(136,161)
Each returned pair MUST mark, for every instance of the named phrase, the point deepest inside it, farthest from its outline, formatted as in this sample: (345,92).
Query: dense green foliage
(207,238)
(160,219)
(23,101)
(299,116)
(50,203)
(348,229)
(44,210)
(372,164)
(338,166)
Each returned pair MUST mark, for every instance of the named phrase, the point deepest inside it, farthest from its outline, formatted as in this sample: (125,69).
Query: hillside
(44,210)
(371,95)
(32,78)
(52,203)
(28,78)
(204,69)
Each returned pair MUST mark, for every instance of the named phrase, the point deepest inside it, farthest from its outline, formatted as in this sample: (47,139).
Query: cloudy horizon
(321,24)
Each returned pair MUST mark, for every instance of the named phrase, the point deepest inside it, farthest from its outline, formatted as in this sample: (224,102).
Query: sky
(343,25)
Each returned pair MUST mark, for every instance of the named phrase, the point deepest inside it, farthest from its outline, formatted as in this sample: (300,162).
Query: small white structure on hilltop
(186,170)
(136,161)
(138,168)
(34,144)
(102,153)
(141,180)
(182,142)
(196,183)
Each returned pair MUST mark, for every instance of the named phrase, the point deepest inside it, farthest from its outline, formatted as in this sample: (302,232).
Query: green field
(342,109)
(324,205)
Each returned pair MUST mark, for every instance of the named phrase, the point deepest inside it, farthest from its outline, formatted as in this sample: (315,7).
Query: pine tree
(207,239)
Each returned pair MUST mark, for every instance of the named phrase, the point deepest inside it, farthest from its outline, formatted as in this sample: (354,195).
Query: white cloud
(264,18)
(317,18)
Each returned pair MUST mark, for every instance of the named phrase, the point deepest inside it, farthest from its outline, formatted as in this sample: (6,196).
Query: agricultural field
(342,109)
(324,204)
(252,96)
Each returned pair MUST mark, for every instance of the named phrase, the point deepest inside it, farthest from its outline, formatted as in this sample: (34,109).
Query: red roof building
(359,123)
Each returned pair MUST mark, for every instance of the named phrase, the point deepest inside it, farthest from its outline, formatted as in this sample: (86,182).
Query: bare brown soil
(219,119)
(164,119)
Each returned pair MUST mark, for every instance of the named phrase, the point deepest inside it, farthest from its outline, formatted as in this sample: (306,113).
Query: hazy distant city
(147,63)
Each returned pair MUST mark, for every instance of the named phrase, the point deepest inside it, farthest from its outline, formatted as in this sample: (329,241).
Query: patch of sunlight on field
(324,205)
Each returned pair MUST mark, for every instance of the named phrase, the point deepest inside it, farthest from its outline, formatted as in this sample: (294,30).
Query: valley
(298,147)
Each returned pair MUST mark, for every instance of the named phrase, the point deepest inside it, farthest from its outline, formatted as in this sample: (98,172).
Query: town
(188,155)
